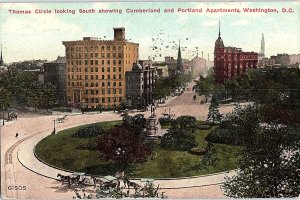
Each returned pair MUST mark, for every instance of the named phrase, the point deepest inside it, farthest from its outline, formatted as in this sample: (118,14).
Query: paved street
(21,168)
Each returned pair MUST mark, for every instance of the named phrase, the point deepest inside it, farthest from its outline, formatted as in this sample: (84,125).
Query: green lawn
(63,151)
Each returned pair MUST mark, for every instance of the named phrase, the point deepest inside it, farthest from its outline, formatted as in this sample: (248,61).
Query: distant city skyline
(40,36)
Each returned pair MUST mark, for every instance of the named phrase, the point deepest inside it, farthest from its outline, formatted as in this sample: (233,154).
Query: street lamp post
(169,112)
(115,99)
(54,126)
(121,152)
(3,117)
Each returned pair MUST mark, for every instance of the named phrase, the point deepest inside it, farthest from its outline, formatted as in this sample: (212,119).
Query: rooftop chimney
(119,33)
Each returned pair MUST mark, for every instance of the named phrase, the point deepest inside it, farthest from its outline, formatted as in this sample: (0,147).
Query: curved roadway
(25,177)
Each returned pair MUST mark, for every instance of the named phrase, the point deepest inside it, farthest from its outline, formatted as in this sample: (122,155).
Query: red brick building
(231,61)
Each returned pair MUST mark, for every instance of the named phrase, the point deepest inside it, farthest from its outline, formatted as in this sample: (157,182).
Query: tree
(213,112)
(178,140)
(209,157)
(129,140)
(269,166)
(185,122)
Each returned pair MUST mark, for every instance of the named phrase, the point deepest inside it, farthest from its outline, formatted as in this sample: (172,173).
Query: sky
(40,36)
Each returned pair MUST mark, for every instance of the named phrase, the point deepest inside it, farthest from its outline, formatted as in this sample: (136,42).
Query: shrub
(87,132)
(197,150)
(224,136)
(203,127)
(178,140)
(165,121)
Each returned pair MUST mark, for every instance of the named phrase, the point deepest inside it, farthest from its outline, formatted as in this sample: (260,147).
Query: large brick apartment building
(231,61)
(95,69)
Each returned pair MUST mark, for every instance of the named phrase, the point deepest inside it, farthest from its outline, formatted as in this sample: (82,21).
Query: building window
(96,77)
(96,55)
(92,77)
(108,77)
(114,84)
(108,69)
(92,84)
(120,76)
(120,83)
(119,55)
(86,77)
(108,55)
(86,84)
(108,62)
(92,92)
(103,91)
(114,69)
(120,91)
(108,99)
(92,62)
(86,92)
(102,69)
(120,62)
(102,61)
(114,76)
(97,84)
(103,85)
(85,62)
(102,55)
(92,55)
(108,91)
(96,62)
(96,69)
(102,48)
(108,48)
(103,100)
(92,69)
(120,69)
(108,84)
(102,77)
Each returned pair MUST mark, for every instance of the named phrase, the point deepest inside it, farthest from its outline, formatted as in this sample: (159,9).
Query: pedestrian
(17,135)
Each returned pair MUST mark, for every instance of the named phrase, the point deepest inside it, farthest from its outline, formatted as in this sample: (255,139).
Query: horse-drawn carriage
(61,119)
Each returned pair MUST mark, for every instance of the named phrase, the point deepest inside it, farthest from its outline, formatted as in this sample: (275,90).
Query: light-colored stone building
(96,68)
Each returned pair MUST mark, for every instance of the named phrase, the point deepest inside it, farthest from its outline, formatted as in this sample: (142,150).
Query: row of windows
(94,62)
(93,69)
(95,55)
(101,100)
(86,84)
(96,48)
(93,77)
(103,91)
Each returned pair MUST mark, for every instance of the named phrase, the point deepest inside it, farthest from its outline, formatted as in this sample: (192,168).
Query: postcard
(177,100)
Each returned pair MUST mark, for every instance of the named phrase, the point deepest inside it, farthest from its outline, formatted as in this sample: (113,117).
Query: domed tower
(219,59)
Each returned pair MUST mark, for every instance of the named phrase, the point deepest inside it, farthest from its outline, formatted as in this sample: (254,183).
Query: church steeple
(262,45)
(219,42)
(179,60)
(219,29)
(1,59)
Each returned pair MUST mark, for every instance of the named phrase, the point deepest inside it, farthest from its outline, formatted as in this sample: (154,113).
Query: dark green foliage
(137,121)
(203,127)
(185,123)
(165,120)
(213,112)
(209,157)
(178,140)
(269,166)
(236,126)
(23,89)
(90,131)
(197,150)
(276,87)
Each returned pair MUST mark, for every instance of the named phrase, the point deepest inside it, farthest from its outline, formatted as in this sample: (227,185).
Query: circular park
(105,148)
